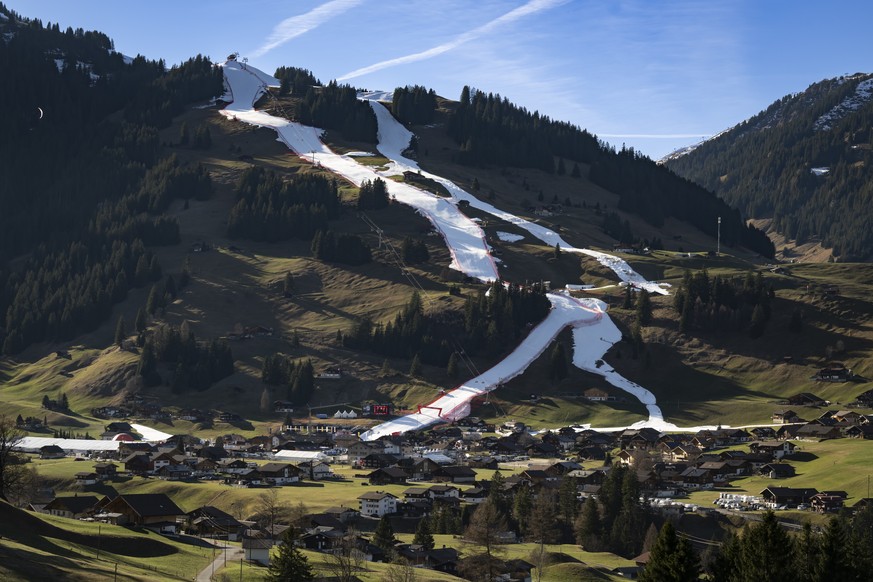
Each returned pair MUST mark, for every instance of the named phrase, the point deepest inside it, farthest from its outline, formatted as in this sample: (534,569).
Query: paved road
(234,554)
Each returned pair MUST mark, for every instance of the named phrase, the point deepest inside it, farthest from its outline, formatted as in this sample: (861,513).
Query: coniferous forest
(81,188)
(272,209)
(492,322)
(491,130)
(337,107)
(763,166)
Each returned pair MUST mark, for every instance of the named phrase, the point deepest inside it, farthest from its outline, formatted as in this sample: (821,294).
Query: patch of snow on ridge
(387,96)
(819,171)
(863,94)
(509,237)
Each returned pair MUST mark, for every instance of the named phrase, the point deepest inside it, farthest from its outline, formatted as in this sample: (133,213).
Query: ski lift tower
(718,244)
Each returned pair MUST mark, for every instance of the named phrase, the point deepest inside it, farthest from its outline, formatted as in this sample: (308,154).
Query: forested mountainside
(86,180)
(491,130)
(805,162)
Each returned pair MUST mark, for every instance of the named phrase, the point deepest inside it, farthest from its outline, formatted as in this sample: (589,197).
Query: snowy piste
(464,238)
(593,331)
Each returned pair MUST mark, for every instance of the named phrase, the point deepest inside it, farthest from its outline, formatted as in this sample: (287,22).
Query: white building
(377,503)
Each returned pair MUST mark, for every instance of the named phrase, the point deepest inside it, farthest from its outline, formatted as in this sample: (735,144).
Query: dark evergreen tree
(119,331)
(558,363)
(288,285)
(289,563)
(672,559)
(423,535)
(383,537)
(644,308)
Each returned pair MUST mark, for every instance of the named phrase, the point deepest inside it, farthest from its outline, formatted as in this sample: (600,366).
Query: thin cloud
(531,7)
(296,25)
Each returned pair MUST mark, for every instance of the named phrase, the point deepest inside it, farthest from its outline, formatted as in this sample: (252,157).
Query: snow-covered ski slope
(394,139)
(594,332)
(465,238)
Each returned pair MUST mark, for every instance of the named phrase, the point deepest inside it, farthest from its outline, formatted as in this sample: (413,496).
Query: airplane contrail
(302,23)
(531,7)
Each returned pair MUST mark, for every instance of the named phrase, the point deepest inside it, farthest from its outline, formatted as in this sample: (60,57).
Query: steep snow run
(464,238)
(593,331)
(394,139)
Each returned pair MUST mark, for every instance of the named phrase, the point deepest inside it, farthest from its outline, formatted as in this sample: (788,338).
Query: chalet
(684,453)
(378,460)
(280,473)
(231,465)
(787,495)
(443,492)
(783,416)
(245,478)
(387,475)
(455,474)
(864,431)
(424,468)
(806,399)
(51,452)
(473,495)
(644,438)
(153,510)
(343,514)
(763,432)
(105,471)
(777,470)
(315,470)
(86,478)
(776,450)
(177,472)
(596,395)
(208,521)
(562,468)
(72,507)
(826,502)
(377,503)
(818,432)
(835,372)
(696,478)
(321,540)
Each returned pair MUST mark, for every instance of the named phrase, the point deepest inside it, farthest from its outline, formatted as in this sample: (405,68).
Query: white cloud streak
(531,7)
(301,24)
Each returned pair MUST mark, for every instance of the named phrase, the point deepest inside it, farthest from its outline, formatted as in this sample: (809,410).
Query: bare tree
(400,570)
(13,474)
(345,559)
(485,530)
(271,511)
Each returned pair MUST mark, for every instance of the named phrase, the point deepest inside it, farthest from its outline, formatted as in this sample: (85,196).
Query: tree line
(337,107)
(194,366)
(491,323)
(723,304)
(273,209)
(297,379)
(414,105)
(491,130)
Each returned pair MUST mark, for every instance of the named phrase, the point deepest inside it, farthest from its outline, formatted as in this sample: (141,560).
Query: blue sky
(655,75)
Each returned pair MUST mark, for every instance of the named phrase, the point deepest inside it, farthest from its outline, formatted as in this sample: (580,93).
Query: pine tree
(383,537)
(628,298)
(415,366)
(672,559)
(558,363)
(644,308)
(589,528)
(796,323)
(423,535)
(152,303)
(521,508)
(119,331)
(452,367)
(141,321)
(289,563)
(557,251)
